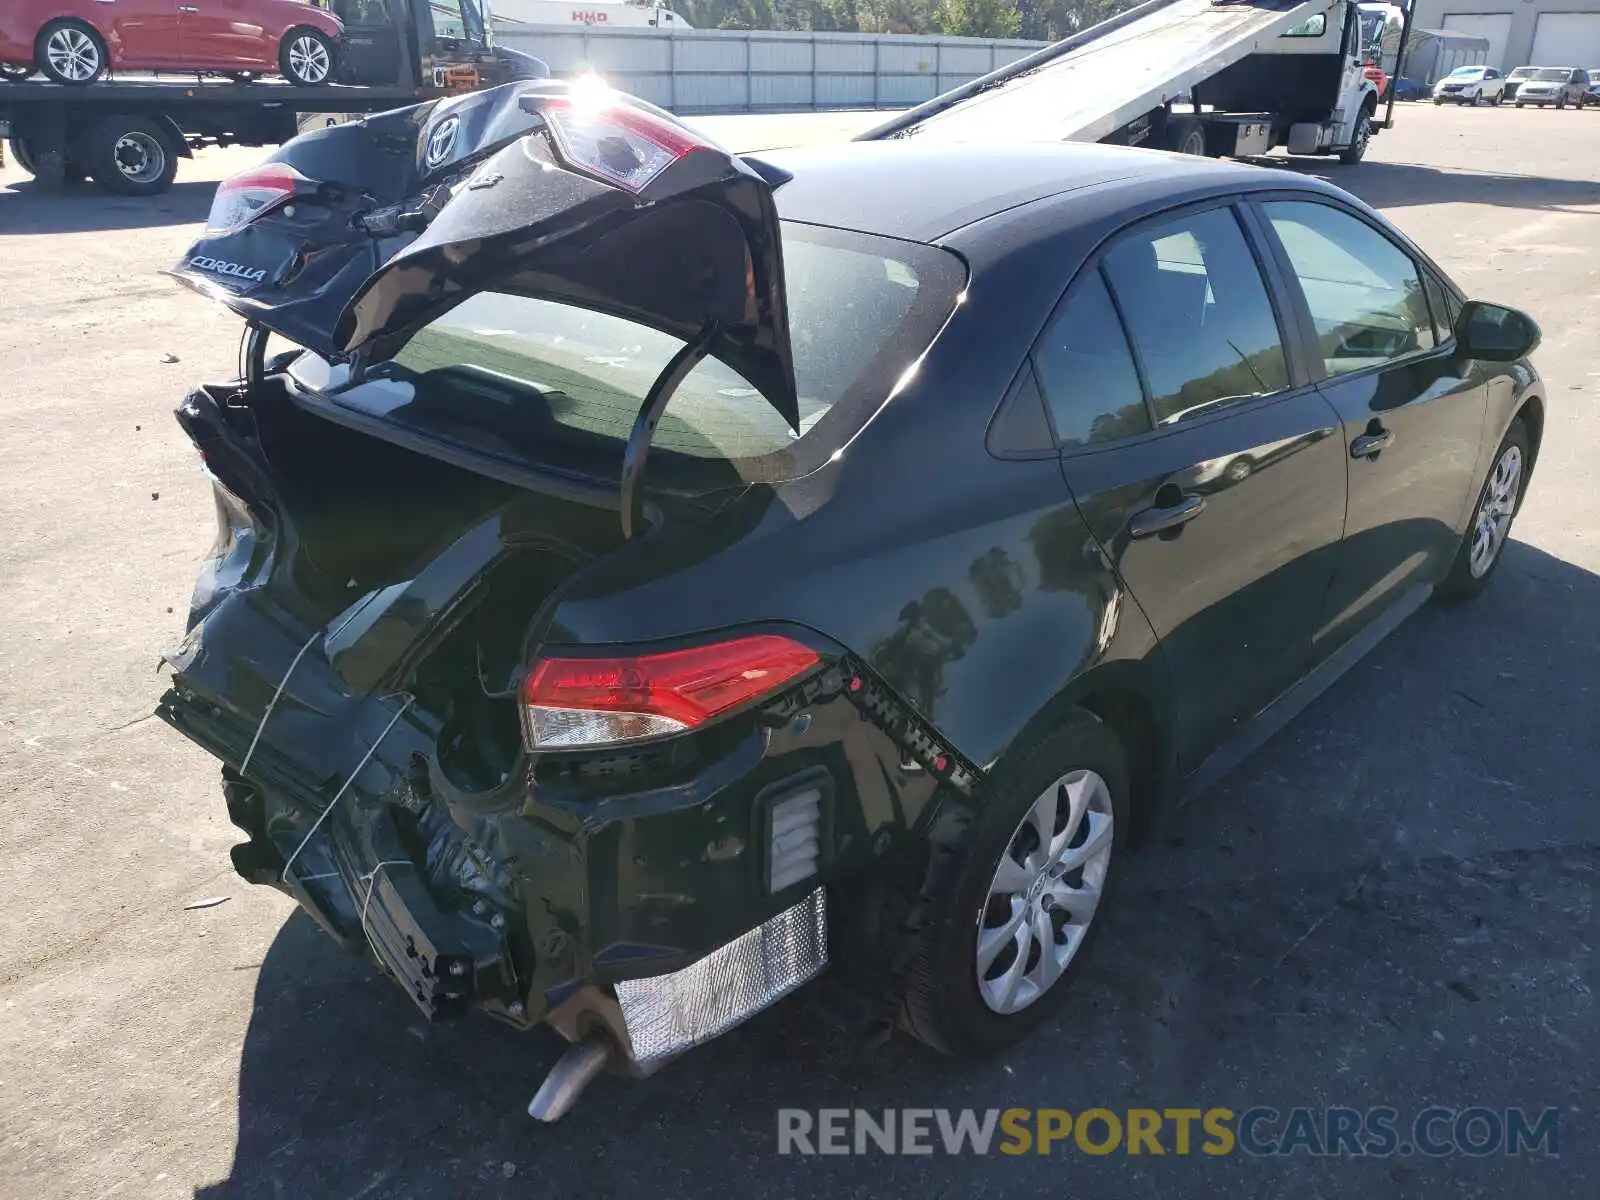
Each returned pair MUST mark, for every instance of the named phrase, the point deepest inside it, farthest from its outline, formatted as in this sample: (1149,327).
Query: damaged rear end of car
(429,735)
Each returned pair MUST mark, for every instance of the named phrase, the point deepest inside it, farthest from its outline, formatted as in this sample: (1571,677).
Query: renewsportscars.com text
(1259,1131)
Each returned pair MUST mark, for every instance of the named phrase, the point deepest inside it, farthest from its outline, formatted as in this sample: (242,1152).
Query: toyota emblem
(442,141)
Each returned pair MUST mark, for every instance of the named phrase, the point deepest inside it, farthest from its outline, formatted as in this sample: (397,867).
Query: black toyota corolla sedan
(653,575)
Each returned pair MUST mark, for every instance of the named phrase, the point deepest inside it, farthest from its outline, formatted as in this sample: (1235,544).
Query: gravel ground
(1392,904)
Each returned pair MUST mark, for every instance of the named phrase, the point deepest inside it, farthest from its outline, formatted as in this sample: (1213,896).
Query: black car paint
(315,253)
(967,617)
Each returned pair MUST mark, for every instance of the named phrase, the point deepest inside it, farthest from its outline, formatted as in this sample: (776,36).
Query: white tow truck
(1214,77)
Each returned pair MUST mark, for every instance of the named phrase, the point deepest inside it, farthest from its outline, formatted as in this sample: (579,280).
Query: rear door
(1201,457)
(226,33)
(145,33)
(1412,413)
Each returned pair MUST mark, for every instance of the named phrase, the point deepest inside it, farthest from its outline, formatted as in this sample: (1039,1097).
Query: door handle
(1161,518)
(1376,438)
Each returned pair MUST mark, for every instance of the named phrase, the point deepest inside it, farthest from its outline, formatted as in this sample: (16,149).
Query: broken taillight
(617,142)
(573,703)
(248,195)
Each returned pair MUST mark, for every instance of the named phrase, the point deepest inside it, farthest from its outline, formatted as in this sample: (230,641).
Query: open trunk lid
(350,239)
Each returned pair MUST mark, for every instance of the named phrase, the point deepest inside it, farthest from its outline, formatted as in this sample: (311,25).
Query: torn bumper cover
(522,907)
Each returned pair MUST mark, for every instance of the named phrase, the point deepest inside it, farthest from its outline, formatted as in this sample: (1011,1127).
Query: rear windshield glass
(559,386)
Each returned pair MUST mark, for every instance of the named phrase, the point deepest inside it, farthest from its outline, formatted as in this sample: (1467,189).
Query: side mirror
(1494,333)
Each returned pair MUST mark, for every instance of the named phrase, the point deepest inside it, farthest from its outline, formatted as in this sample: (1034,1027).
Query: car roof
(925,192)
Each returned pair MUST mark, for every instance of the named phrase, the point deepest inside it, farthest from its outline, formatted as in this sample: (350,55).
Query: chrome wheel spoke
(1051,963)
(1011,878)
(1097,841)
(1078,903)
(992,941)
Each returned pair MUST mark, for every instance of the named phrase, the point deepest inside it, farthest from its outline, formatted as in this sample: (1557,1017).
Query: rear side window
(536,380)
(1363,291)
(1086,370)
(1197,314)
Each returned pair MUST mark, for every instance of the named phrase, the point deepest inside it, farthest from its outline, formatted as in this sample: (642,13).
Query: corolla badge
(442,141)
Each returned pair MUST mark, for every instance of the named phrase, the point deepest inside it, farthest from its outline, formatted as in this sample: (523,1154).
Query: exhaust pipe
(573,1072)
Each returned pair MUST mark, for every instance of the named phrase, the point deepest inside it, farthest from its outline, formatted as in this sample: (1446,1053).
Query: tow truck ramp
(1096,82)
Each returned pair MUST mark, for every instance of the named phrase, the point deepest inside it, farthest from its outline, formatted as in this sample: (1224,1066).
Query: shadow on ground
(88,208)
(1401,185)
(1389,905)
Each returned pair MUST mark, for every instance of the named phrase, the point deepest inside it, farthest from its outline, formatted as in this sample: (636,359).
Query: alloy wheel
(140,157)
(1495,510)
(1044,892)
(308,59)
(73,54)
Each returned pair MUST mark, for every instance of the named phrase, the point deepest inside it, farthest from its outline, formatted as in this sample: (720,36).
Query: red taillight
(613,140)
(577,702)
(246,196)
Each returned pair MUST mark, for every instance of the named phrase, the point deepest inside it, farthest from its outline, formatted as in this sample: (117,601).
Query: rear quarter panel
(280,16)
(969,584)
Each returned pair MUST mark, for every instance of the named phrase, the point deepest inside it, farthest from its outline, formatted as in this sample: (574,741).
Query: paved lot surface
(1393,904)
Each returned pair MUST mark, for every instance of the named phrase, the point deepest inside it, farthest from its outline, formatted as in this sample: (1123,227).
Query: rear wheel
(1016,921)
(71,52)
(132,156)
(1560,104)
(1438,99)
(1498,501)
(22,155)
(1519,103)
(306,57)
(1185,135)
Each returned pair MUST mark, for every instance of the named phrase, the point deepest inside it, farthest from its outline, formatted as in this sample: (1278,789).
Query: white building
(1543,33)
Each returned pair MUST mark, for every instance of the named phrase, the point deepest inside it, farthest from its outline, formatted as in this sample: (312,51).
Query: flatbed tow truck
(129,133)
(1212,77)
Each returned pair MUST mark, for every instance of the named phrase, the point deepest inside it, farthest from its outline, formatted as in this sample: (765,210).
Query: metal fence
(734,71)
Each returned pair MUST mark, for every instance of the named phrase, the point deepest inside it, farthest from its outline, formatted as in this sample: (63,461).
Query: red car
(77,41)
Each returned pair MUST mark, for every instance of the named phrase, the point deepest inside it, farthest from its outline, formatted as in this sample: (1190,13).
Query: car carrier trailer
(1214,77)
(129,133)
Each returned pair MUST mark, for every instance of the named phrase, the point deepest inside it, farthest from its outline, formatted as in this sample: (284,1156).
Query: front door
(1412,414)
(1202,460)
(225,34)
(370,52)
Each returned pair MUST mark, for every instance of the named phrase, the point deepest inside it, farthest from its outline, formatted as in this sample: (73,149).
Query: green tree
(980,18)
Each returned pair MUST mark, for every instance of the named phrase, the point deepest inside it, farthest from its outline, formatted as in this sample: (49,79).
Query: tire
(1185,135)
(70,52)
(1471,572)
(1360,139)
(1519,103)
(1477,98)
(132,156)
(306,57)
(22,154)
(1438,99)
(1239,469)
(1560,104)
(945,1004)
(1499,99)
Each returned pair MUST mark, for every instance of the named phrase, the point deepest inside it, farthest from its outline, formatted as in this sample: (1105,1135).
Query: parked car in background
(1516,79)
(1593,95)
(78,41)
(1559,86)
(1470,85)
